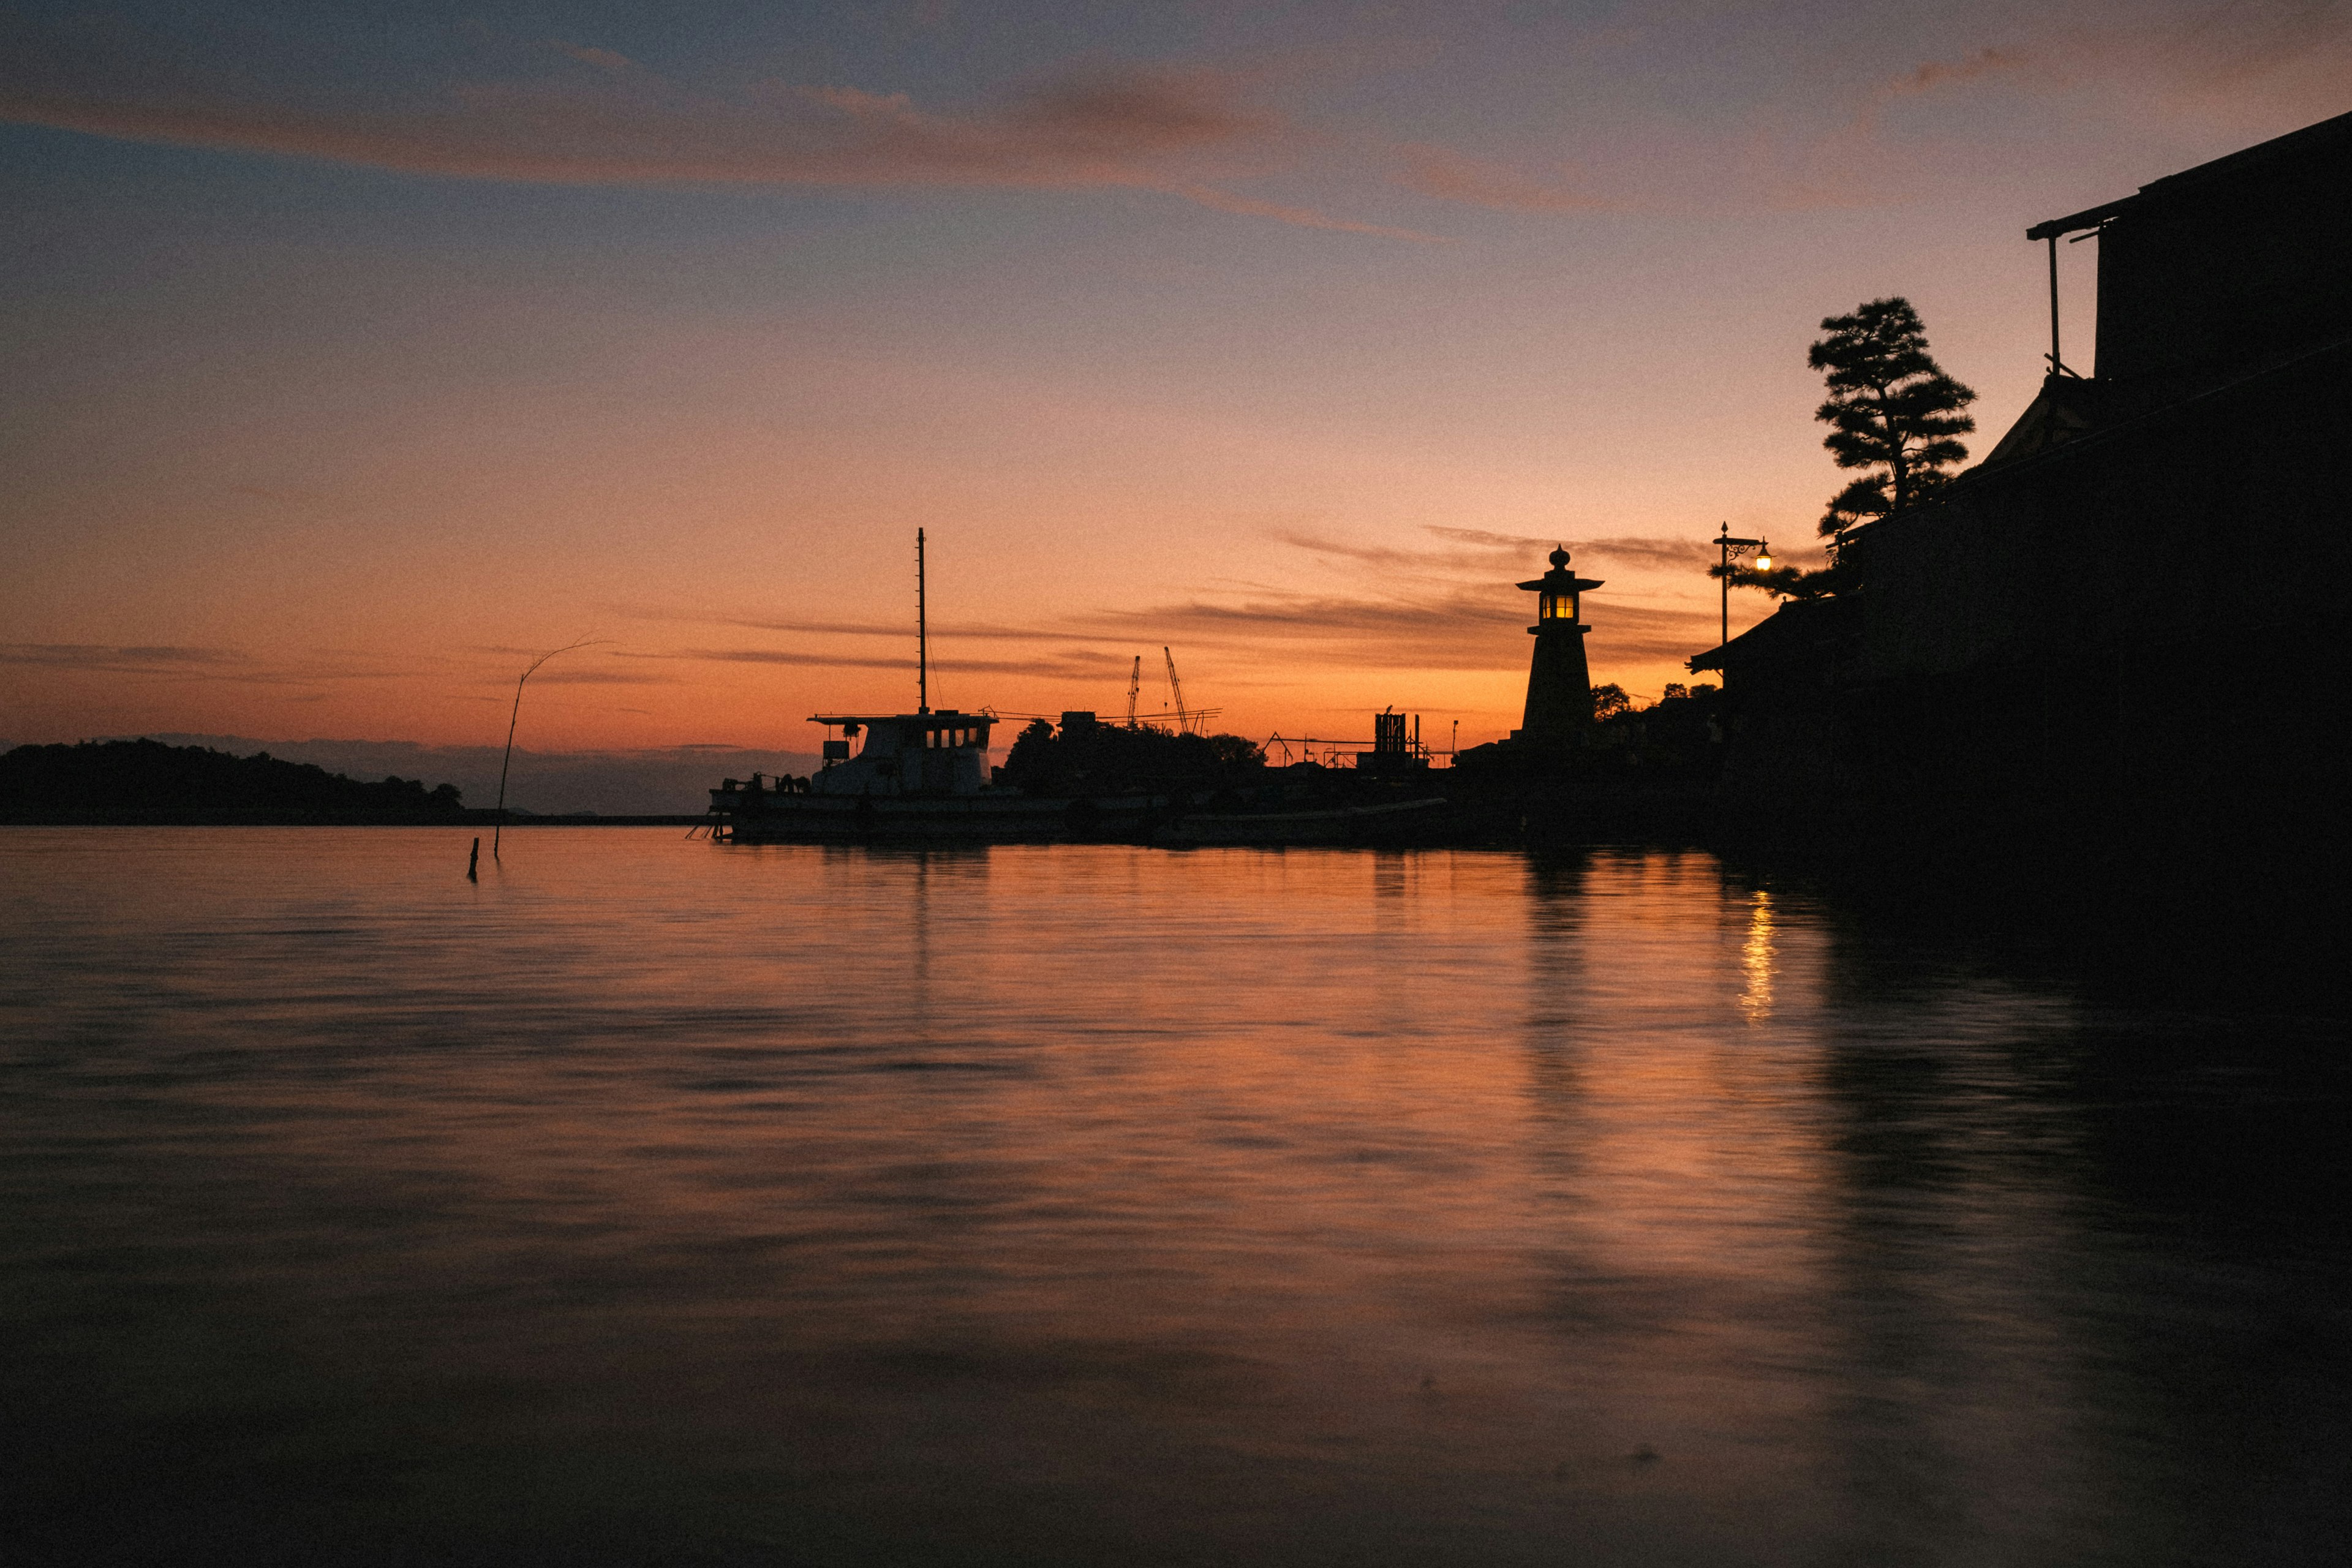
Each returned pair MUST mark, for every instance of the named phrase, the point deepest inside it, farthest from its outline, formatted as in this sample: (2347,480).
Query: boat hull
(992,818)
(1011,818)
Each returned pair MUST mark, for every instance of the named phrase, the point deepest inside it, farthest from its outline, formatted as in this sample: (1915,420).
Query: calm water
(654,1201)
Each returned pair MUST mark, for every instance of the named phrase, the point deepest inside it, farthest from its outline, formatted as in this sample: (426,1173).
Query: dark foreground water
(654,1201)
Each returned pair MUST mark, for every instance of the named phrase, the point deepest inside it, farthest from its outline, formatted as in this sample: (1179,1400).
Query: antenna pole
(1724,543)
(2056,364)
(922,635)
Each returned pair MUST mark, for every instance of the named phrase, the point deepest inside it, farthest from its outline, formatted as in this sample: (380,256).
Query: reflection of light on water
(1755,958)
(918,1170)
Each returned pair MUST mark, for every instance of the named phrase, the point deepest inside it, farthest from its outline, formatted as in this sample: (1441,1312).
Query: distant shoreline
(471,821)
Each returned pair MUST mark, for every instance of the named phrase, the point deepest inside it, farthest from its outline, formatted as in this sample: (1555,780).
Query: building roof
(2329,135)
(1800,630)
(2067,406)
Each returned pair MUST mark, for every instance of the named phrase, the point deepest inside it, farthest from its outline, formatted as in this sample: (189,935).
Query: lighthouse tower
(1560,682)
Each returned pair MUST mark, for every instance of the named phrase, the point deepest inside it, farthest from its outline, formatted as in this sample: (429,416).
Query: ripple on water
(655,1200)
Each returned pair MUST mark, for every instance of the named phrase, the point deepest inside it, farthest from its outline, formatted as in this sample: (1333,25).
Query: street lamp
(1733,549)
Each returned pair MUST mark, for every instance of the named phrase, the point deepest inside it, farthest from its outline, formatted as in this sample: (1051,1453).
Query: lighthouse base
(1560,689)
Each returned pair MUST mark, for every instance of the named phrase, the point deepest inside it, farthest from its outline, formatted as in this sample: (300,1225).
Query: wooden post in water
(497,829)
(473,860)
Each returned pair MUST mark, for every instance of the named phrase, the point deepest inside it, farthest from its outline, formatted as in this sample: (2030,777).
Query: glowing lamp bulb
(1763,561)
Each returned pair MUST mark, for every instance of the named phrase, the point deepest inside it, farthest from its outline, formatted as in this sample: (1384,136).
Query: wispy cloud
(595,677)
(972,631)
(1478,550)
(1087,665)
(1932,75)
(1466,628)
(1134,127)
(1305,217)
(1443,605)
(1451,176)
(119,661)
(233,665)
(589,55)
(2236,41)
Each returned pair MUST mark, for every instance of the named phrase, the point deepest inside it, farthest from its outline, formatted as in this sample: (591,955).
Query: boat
(920,776)
(924,775)
(916,775)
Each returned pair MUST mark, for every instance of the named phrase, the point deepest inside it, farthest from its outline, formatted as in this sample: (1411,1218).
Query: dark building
(2116,626)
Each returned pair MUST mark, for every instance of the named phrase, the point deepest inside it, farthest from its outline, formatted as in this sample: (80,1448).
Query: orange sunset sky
(357,350)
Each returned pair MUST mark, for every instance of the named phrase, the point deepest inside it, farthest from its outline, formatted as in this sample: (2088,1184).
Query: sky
(356,354)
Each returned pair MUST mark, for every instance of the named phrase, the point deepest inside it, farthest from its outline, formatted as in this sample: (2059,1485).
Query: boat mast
(922,635)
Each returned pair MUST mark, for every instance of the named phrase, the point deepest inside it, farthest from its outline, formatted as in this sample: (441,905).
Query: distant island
(99,783)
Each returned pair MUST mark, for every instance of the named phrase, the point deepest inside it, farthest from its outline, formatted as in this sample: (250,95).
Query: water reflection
(1755,958)
(1089,1205)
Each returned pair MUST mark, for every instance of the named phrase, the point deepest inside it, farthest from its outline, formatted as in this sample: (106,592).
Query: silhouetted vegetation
(147,782)
(1892,414)
(1646,773)
(1679,733)
(1103,759)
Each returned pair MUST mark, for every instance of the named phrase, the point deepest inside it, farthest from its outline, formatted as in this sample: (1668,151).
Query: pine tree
(1891,411)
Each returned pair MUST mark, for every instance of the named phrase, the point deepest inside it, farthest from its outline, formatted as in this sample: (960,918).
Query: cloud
(1850,164)
(1647,550)
(1931,76)
(2236,43)
(1465,628)
(1934,74)
(1458,613)
(1475,549)
(1119,113)
(895,631)
(592,678)
(201,663)
(1134,127)
(602,59)
(1449,175)
(1083,664)
(136,660)
(1305,217)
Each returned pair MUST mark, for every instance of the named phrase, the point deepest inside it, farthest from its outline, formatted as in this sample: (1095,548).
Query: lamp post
(1733,549)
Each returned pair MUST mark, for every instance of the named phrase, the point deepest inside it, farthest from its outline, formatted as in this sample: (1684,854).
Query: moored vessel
(925,775)
(914,775)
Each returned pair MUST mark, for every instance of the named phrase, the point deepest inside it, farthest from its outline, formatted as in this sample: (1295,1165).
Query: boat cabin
(942,753)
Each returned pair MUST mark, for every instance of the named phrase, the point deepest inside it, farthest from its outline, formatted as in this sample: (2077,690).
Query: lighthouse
(1560,682)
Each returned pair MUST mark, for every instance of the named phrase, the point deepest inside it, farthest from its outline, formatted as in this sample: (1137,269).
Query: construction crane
(1176,691)
(1134,685)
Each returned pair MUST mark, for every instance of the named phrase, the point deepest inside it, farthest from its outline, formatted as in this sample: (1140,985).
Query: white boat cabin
(943,753)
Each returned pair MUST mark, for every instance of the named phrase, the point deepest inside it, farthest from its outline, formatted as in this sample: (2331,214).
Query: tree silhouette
(1891,411)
